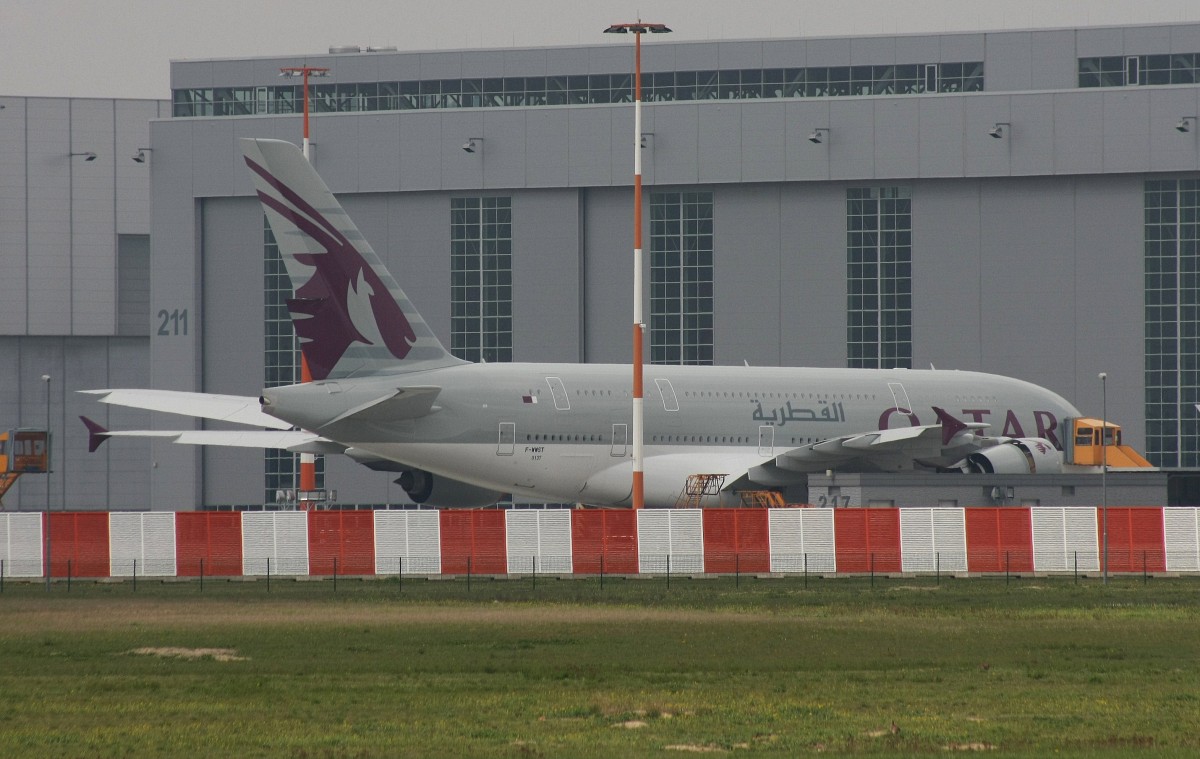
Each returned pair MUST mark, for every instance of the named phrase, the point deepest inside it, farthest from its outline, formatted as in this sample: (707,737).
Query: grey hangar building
(1019,202)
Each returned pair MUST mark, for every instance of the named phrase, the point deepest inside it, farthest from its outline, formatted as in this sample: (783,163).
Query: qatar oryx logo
(344,301)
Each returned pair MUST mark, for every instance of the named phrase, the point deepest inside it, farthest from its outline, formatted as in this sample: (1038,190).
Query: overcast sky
(121,48)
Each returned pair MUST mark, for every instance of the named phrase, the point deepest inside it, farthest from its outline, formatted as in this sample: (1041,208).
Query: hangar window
(481,278)
(1172,333)
(681,278)
(879,277)
(1133,70)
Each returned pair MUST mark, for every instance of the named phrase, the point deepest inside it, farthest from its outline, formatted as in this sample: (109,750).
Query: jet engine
(441,492)
(1017,456)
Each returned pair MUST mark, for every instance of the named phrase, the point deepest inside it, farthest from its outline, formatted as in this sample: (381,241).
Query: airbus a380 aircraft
(389,395)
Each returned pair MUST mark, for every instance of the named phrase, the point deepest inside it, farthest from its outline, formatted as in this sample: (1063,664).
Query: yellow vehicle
(22,451)
(1091,440)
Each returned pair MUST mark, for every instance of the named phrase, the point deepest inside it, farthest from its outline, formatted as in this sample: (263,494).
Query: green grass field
(567,669)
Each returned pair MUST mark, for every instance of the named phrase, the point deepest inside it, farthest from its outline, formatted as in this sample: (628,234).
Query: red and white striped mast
(308,461)
(639,327)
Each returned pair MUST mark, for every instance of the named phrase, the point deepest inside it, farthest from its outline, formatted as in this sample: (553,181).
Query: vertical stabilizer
(351,317)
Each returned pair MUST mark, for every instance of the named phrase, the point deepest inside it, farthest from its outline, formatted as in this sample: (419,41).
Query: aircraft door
(620,440)
(766,440)
(508,439)
(900,397)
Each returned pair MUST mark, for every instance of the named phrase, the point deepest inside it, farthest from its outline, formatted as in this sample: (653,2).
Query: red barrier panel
(209,536)
(867,540)
(348,536)
(999,539)
(1136,542)
(80,539)
(736,540)
(477,535)
(603,540)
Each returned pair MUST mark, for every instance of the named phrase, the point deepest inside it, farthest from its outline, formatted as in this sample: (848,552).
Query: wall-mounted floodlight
(818,135)
(140,155)
(647,138)
(1185,124)
(997,130)
(472,144)
(88,156)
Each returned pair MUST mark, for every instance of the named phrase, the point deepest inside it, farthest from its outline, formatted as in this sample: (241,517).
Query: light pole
(305,72)
(308,461)
(1104,467)
(49,467)
(637,29)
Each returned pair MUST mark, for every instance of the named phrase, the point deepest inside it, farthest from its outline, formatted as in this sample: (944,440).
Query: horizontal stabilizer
(96,434)
(240,409)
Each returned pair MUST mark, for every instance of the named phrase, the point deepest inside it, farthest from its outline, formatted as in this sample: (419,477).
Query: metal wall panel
(1135,539)
(274,542)
(1009,62)
(591,147)
(48,216)
(1127,127)
(940,136)
(408,542)
(142,545)
(14,207)
(670,540)
(421,150)
(933,540)
(546,237)
(999,539)
(538,541)
(802,540)
(1032,136)
(868,540)
(1053,62)
(748,290)
(21,545)
(898,116)
(763,143)
(1170,149)
(208,543)
(341,543)
(78,544)
(737,540)
(1181,527)
(546,147)
(604,542)
(1064,540)
(473,542)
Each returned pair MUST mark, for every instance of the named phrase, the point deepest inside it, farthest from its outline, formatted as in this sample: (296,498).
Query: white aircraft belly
(544,472)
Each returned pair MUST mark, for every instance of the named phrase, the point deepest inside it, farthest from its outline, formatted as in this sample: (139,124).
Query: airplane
(387,393)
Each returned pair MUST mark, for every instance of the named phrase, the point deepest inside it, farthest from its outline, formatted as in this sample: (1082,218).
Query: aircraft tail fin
(350,315)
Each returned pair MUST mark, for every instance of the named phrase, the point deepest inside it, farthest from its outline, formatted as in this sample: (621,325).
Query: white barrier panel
(933,540)
(21,545)
(678,533)
(1065,539)
(538,539)
(144,543)
(408,542)
(275,542)
(1182,529)
(802,540)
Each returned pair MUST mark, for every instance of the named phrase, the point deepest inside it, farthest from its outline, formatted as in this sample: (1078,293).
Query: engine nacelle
(1017,456)
(441,492)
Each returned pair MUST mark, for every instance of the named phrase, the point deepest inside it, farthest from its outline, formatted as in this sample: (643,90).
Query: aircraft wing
(241,409)
(892,449)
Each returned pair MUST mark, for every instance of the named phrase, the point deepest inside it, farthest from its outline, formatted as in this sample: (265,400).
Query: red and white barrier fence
(588,542)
